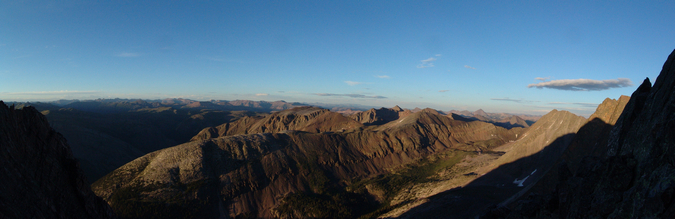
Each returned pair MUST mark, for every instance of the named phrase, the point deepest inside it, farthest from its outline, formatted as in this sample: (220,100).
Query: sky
(500,56)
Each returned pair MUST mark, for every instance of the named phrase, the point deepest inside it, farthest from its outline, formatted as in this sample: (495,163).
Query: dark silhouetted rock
(39,177)
(632,175)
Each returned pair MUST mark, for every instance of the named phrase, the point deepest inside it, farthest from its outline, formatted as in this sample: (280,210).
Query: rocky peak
(610,109)
(480,112)
(630,175)
(379,116)
(397,108)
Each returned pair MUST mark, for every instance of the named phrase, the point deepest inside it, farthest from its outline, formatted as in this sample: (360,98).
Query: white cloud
(466,66)
(383,76)
(261,94)
(427,63)
(438,55)
(429,60)
(353,83)
(583,84)
(128,54)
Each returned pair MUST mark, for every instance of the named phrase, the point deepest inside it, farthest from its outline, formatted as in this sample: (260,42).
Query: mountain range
(107,133)
(294,161)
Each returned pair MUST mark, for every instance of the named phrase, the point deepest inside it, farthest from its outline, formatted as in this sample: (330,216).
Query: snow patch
(520,182)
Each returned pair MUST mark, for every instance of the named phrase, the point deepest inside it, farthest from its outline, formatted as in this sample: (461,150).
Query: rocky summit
(627,172)
(39,177)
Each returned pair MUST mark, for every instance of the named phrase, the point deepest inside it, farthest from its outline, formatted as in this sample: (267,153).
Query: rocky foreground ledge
(39,177)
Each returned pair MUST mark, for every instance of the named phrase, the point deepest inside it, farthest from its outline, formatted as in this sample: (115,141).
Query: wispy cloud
(262,95)
(353,83)
(427,63)
(383,76)
(583,84)
(579,104)
(542,79)
(438,55)
(443,91)
(429,59)
(466,66)
(514,100)
(62,92)
(349,95)
(128,54)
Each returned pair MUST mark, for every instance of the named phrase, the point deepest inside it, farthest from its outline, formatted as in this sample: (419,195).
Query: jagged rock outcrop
(39,177)
(591,139)
(308,119)
(261,175)
(631,176)
(380,116)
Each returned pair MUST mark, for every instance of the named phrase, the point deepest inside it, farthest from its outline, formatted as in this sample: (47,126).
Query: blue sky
(440,54)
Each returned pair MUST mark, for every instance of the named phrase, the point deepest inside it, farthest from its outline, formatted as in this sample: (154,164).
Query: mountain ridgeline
(230,171)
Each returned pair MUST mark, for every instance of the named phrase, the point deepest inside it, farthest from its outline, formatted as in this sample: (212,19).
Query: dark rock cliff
(631,176)
(39,177)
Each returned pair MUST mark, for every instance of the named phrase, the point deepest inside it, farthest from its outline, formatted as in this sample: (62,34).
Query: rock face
(630,175)
(39,176)
(265,175)
(380,116)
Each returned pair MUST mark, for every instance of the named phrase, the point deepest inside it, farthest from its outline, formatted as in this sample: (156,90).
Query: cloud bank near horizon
(61,92)
(349,95)
(514,100)
(583,84)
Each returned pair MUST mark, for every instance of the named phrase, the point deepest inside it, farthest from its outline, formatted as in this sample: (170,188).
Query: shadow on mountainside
(509,181)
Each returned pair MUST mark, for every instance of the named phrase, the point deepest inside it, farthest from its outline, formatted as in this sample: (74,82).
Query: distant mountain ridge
(485,116)
(308,119)
(126,105)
